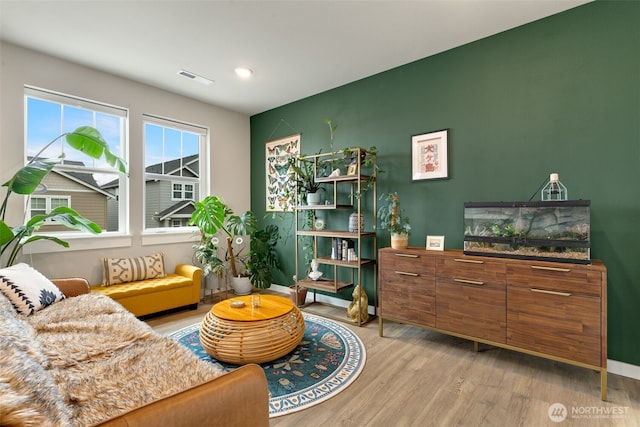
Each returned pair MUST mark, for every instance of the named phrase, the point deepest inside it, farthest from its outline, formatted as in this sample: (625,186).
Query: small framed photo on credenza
(435,243)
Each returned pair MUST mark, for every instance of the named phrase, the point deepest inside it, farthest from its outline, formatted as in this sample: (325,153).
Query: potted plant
(303,172)
(391,217)
(298,293)
(263,257)
(253,268)
(86,139)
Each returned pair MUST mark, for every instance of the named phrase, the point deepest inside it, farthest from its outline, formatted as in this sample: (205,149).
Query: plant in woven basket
(392,218)
(391,215)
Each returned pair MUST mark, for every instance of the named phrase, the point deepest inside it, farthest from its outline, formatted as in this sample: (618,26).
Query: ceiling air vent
(195,77)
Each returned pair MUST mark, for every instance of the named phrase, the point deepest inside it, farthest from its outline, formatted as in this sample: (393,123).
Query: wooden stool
(252,335)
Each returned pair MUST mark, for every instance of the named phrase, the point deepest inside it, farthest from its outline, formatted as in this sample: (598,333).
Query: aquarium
(550,230)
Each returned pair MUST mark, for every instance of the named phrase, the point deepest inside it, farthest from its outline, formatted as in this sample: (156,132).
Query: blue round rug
(328,359)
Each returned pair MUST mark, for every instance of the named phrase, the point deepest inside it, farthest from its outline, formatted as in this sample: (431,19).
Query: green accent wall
(557,95)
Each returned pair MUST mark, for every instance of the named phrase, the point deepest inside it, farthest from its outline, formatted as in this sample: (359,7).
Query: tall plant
(212,216)
(85,139)
(263,257)
(392,216)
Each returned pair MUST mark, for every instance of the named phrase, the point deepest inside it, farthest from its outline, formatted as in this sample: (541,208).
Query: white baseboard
(613,366)
(624,369)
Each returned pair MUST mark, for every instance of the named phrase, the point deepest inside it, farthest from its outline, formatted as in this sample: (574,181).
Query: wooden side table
(252,335)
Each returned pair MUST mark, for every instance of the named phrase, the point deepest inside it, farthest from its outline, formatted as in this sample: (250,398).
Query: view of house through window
(42,205)
(172,171)
(89,186)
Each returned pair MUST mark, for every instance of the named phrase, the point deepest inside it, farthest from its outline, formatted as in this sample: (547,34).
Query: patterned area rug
(328,359)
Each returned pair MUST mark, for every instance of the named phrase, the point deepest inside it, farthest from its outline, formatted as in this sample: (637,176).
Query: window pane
(38,203)
(188,191)
(75,117)
(38,206)
(172,149)
(57,202)
(153,146)
(177,191)
(43,125)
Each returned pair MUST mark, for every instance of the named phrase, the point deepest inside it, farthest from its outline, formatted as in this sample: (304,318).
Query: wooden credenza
(547,309)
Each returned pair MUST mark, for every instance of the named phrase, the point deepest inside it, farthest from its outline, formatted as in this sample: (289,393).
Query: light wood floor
(415,377)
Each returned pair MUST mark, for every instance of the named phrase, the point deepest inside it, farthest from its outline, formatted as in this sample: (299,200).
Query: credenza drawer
(408,297)
(563,278)
(408,262)
(562,325)
(471,269)
(472,308)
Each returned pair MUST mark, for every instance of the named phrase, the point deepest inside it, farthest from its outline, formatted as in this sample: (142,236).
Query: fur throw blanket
(84,360)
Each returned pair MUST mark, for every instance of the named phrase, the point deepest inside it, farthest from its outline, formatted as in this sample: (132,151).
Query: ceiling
(297,48)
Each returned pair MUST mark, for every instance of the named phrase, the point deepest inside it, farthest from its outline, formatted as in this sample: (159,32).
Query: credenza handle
(407,255)
(539,267)
(404,273)
(470,261)
(469,282)
(543,291)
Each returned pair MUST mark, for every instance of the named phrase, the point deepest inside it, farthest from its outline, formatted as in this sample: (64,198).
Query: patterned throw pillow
(28,289)
(123,270)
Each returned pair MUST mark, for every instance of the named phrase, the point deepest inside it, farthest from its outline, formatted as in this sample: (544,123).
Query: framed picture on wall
(430,155)
(279,186)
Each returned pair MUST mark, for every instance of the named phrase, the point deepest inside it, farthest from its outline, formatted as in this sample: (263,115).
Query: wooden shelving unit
(344,192)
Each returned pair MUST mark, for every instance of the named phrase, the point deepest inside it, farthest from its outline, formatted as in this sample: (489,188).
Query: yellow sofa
(142,297)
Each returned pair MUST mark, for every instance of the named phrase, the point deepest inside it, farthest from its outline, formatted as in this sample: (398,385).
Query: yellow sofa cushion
(142,287)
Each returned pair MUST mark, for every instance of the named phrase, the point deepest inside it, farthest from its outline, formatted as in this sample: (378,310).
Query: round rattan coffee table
(251,335)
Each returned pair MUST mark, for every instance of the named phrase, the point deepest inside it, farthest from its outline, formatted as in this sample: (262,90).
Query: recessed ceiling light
(195,77)
(244,72)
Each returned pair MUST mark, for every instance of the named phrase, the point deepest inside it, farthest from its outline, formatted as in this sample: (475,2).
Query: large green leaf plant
(86,139)
(213,217)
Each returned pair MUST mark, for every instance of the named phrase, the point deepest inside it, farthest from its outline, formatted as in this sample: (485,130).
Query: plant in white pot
(391,217)
(303,172)
(247,269)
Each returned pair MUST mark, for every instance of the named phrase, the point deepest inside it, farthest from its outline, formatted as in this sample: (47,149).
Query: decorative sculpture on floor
(358,312)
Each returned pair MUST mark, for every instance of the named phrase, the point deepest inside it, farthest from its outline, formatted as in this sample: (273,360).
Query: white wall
(229,159)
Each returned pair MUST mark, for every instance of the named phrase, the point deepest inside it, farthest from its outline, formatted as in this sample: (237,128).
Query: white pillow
(28,289)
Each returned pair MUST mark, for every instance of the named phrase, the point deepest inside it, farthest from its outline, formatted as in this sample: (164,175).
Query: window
(42,205)
(173,171)
(93,187)
(38,206)
(182,191)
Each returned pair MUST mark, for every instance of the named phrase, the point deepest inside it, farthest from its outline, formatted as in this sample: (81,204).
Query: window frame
(157,235)
(83,240)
